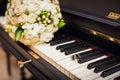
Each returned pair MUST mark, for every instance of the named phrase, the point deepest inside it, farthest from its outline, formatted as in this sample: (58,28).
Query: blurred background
(3,4)
(9,69)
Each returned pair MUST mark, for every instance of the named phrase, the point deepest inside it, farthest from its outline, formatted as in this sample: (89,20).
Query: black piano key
(55,38)
(67,48)
(97,63)
(117,78)
(58,37)
(75,49)
(82,55)
(105,66)
(110,71)
(60,41)
(81,44)
(61,47)
(89,57)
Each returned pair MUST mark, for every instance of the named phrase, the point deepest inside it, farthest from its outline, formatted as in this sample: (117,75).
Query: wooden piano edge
(39,68)
(45,61)
(57,66)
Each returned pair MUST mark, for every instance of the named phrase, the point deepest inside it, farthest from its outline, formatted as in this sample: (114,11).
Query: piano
(86,48)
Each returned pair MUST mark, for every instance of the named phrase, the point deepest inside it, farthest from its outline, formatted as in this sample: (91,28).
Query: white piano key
(63,60)
(69,60)
(49,51)
(82,71)
(54,54)
(96,76)
(114,77)
(90,76)
(57,56)
(72,41)
(68,56)
(83,66)
(77,65)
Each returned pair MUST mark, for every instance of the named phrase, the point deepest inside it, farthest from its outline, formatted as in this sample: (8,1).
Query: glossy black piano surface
(81,17)
(95,9)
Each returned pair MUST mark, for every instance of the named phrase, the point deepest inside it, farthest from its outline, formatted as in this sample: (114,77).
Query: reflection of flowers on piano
(33,21)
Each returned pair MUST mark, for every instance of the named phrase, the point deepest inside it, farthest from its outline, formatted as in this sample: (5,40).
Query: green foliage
(61,24)
(18,33)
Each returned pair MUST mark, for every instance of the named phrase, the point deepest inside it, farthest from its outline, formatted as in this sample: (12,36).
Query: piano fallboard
(93,10)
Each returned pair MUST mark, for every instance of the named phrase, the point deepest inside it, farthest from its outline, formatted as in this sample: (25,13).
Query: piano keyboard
(79,60)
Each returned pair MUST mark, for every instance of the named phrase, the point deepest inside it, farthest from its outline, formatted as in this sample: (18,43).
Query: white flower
(31,18)
(18,10)
(28,2)
(51,28)
(14,29)
(55,19)
(22,18)
(48,6)
(34,29)
(15,3)
(30,7)
(38,19)
(47,1)
(46,36)
(11,12)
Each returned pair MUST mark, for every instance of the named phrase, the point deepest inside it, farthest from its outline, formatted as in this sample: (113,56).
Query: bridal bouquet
(33,21)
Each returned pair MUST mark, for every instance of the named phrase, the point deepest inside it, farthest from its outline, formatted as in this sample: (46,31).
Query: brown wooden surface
(15,70)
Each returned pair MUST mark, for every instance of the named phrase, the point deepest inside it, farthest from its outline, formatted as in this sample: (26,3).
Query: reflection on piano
(87,48)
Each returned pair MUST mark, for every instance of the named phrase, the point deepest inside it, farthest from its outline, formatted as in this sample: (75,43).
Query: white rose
(46,36)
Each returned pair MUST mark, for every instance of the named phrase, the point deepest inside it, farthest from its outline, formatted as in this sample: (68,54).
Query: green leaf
(18,33)
(9,1)
(61,24)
